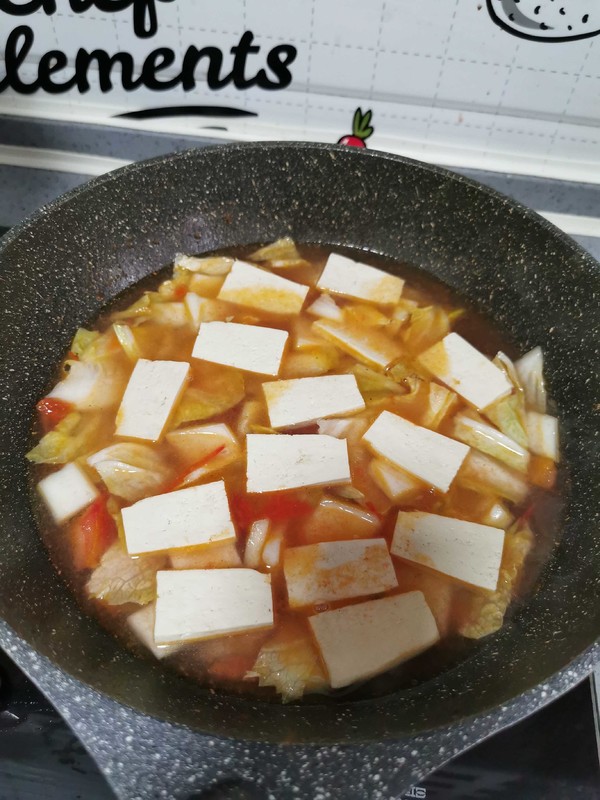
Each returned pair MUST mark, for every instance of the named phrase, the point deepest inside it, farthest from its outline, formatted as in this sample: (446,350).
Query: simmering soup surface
(288,472)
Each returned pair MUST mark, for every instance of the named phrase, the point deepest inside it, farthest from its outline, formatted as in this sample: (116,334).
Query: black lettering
(51,62)
(21,10)
(240,53)
(106,63)
(18,45)
(157,60)
(278,61)
(215,62)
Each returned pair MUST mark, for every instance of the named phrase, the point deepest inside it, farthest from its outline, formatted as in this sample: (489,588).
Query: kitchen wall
(512,85)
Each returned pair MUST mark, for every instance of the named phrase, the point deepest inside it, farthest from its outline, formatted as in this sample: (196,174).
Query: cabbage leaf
(121,578)
(130,470)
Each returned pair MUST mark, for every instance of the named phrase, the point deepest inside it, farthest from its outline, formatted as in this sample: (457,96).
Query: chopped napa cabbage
(405,373)
(141,308)
(440,402)
(253,413)
(208,265)
(508,414)
(486,612)
(484,474)
(82,340)
(472,430)
(426,327)
(542,430)
(257,537)
(271,552)
(326,307)
(130,470)
(281,254)
(127,340)
(530,369)
(365,315)
(198,404)
(289,662)
(169,313)
(310,362)
(121,578)
(374,385)
(74,436)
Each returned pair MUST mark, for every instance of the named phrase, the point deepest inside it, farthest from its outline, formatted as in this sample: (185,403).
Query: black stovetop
(552,755)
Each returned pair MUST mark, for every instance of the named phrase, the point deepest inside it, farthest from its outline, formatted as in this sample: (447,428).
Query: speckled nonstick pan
(60,266)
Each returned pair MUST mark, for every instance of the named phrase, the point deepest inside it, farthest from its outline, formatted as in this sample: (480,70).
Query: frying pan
(60,266)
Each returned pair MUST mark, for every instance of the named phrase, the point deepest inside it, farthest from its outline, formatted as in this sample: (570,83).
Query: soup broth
(284,473)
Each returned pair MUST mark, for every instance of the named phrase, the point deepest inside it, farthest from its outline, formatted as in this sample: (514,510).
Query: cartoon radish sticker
(361,130)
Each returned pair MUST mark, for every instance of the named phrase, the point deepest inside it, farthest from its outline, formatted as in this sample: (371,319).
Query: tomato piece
(91,535)
(51,411)
(277,507)
(180,292)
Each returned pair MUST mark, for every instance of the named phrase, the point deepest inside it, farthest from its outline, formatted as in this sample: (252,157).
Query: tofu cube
(281,461)
(351,278)
(66,492)
(196,604)
(141,624)
(467,551)
(151,395)
(371,347)
(333,571)
(250,286)
(365,639)
(425,454)
(302,400)
(185,518)
(248,347)
(468,372)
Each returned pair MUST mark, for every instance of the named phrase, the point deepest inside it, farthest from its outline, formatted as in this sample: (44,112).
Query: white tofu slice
(333,520)
(66,492)
(468,372)
(198,441)
(282,461)
(370,346)
(467,551)
(351,278)
(85,387)
(302,400)
(204,309)
(206,603)
(397,484)
(249,347)
(365,639)
(151,395)
(426,454)
(542,431)
(326,307)
(247,285)
(185,518)
(142,626)
(332,571)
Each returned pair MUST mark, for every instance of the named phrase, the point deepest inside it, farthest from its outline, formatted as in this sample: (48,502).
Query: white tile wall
(439,74)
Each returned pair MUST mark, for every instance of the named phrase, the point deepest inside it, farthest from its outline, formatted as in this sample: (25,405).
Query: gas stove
(552,755)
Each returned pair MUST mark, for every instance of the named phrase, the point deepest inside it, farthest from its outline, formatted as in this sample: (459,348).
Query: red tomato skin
(92,534)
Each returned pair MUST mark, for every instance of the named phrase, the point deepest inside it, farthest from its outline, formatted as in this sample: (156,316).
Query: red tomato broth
(214,662)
